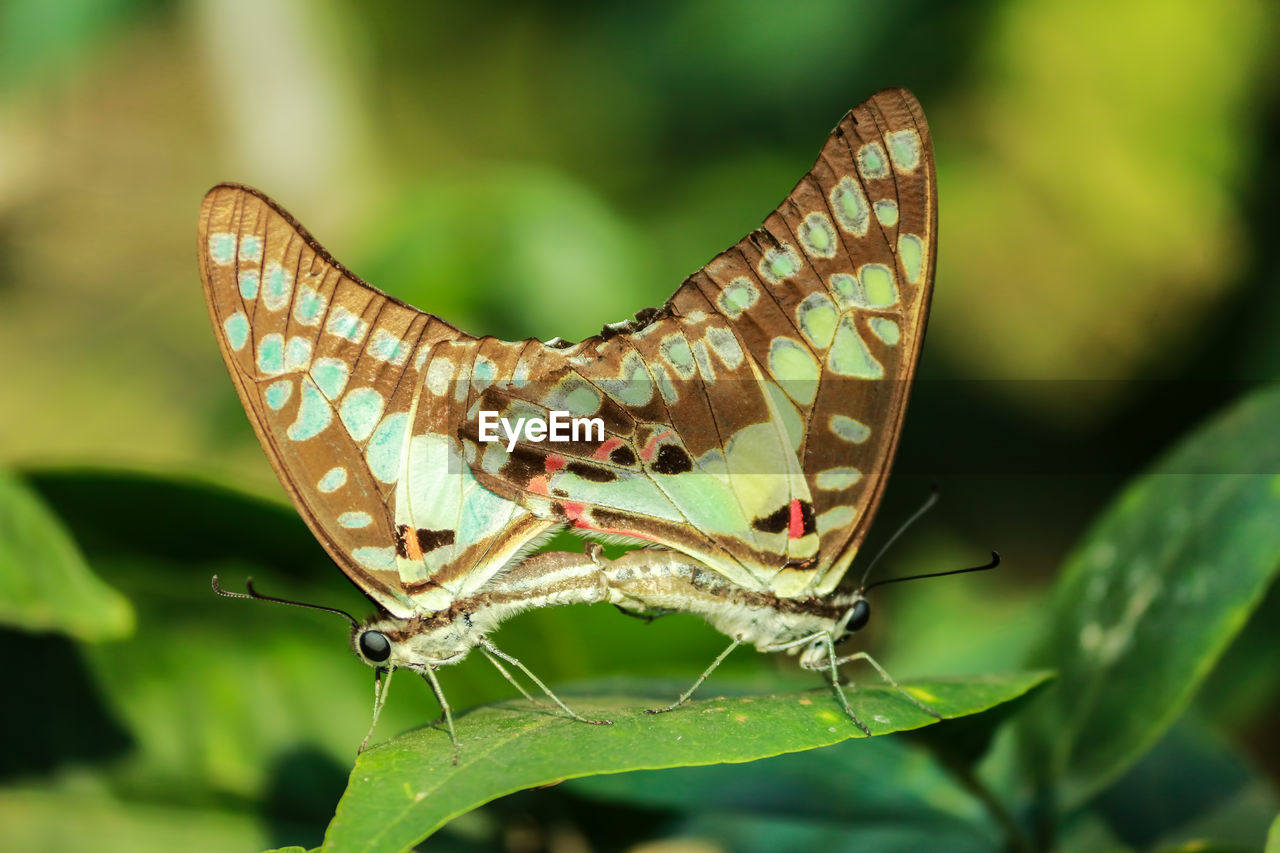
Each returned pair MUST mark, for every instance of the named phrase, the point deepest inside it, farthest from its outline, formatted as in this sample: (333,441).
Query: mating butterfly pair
(746,428)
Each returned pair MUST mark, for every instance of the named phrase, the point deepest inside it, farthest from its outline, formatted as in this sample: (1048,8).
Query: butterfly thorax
(654,579)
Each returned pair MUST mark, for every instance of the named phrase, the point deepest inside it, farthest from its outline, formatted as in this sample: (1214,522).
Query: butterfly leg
(684,697)
(429,673)
(887,678)
(490,648)
(833,672)
(380,690)
(507,675)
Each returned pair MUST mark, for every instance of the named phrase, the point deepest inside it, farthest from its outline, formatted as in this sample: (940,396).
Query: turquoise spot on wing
(439,375)
(738,296)
(355,519)
(816,316)
(725,345)
(375,558)
(835,518)
(314,413)
(675,349)
(792,422)
(849,355)
(904,149)
(633,386)
(482,373)
(333,479)
(911,253)
(309,307)
(665,386)
(795,368)
(277,287)
(346,325)
(278,393)
(331,375)
(385,346)
(850,205)
(271,354)
(835,479)
(885,329)
(237,328)
(779,263)
(297,353)
(583,400)
(360,411)
(878,286)
(572,394)
(483,514)
(222,247)
(249,282)
(250,248)
(817,236)
(887,212)
(386,447)
(849,429)
(872,163)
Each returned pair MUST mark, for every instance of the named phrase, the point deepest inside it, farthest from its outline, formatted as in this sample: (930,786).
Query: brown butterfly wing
(793,350)
(331,373)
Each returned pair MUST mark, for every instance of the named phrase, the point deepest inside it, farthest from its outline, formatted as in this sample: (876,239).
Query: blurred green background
(1107,276)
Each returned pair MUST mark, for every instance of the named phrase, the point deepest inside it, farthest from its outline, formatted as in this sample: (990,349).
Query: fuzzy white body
(643,582)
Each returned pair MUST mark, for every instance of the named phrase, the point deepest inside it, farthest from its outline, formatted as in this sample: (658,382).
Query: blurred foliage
(45,584)
(1106,175)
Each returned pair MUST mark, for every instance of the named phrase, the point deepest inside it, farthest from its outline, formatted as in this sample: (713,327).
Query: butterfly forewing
(754,418)
(331,372)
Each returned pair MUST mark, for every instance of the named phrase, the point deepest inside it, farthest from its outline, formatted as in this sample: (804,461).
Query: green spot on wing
(314,413)
(278,393)
(849,355)
(237,328)
(271,354)
(911,253)
(878,286)
(385,446)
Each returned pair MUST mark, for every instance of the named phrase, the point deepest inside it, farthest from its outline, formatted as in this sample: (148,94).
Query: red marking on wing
(553,463)
(611,444)
(650,448)
(797,520)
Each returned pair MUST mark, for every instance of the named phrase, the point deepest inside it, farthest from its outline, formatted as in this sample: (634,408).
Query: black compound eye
(375,646)
(861,613)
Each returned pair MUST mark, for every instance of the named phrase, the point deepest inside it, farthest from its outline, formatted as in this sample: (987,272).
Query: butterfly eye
(858,619)
(375,646)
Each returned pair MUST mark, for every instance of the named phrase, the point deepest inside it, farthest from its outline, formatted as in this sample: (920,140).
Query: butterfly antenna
(257,596)
(934,494)
(995,561)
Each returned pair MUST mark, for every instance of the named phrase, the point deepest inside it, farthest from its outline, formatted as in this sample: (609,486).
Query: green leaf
(1273,837)
(77,817)
(881,779)
(761,834)
(45,584)
(402,791)
(1191,786)
(1154,594)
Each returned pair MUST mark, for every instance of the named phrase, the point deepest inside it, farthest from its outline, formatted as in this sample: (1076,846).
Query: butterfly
(742,432)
